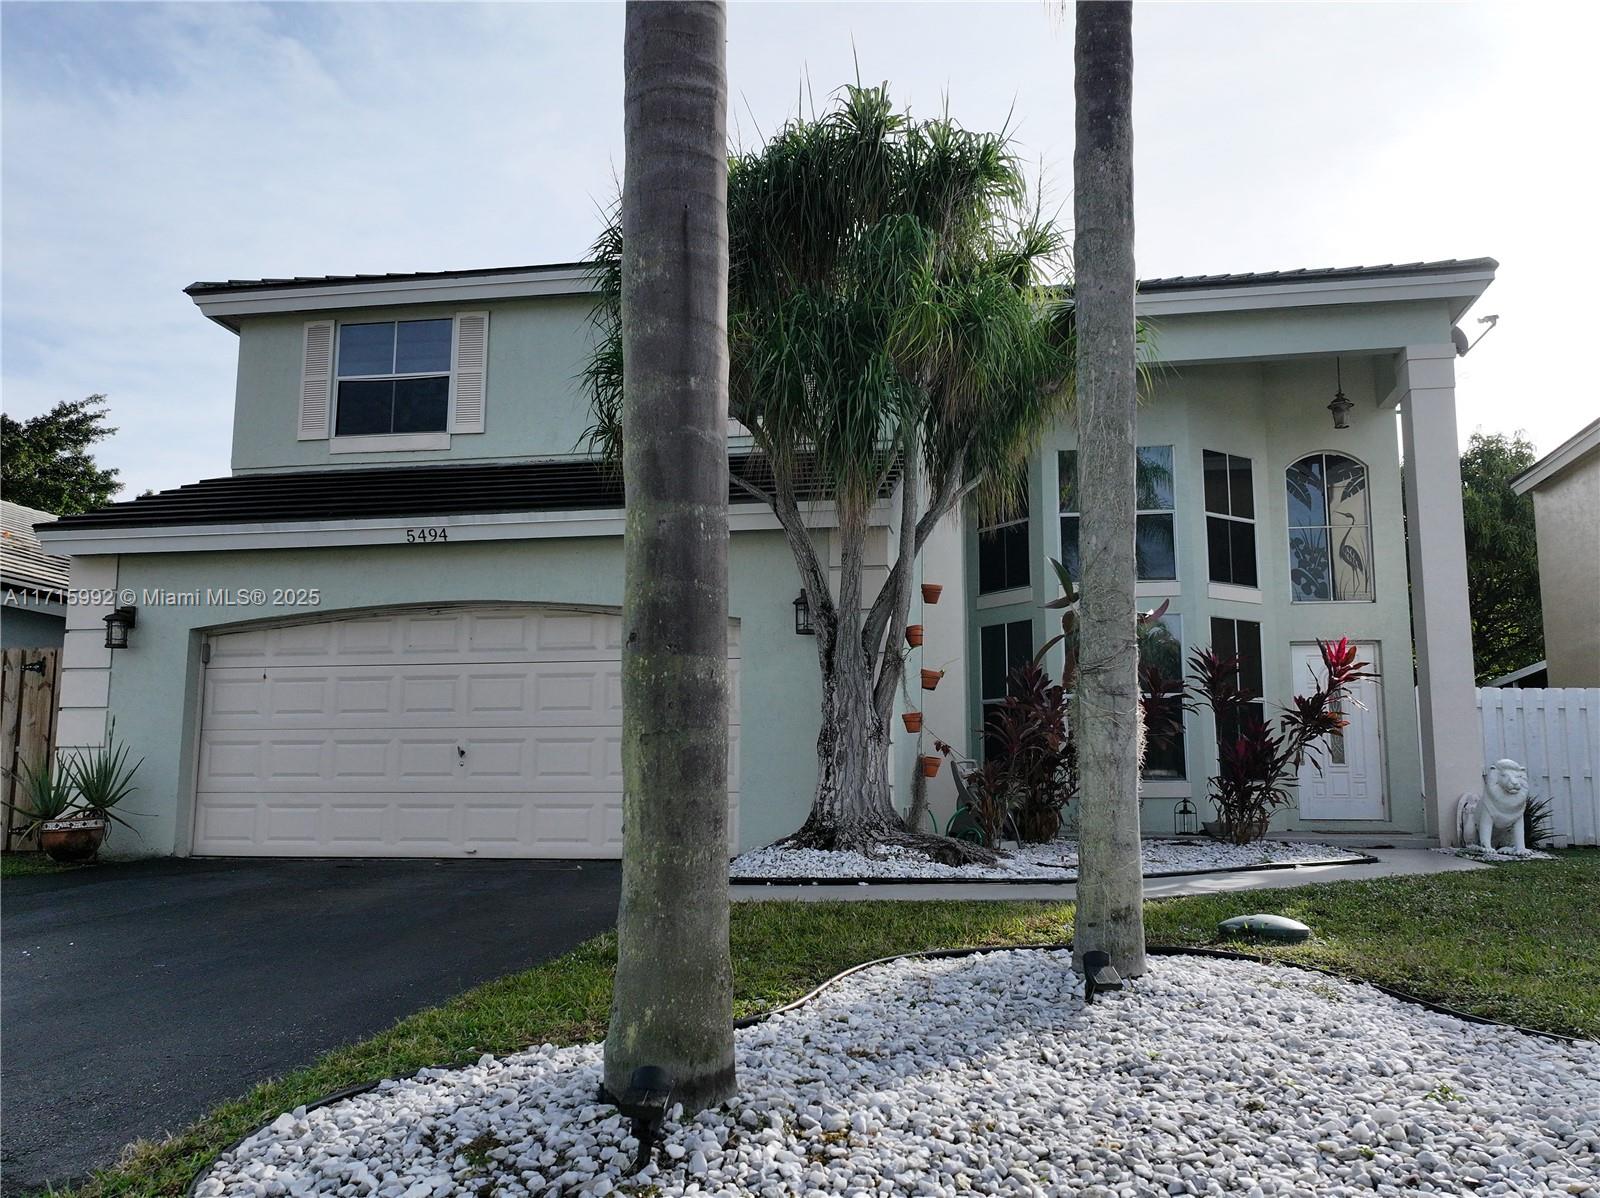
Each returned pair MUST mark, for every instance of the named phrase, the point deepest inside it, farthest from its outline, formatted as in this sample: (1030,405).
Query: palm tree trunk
(1110,888)
(672,1004)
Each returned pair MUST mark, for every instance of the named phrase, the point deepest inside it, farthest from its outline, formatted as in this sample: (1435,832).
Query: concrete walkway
(1391,863)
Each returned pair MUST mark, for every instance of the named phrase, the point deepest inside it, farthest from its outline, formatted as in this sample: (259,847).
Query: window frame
(986,701)
(1329,528)
(1006,526)
(1181,774)
(1230,462)
(411,438)
(1259,700)
(1063,515)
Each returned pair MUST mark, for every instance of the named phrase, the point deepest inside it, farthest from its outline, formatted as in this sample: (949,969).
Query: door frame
(1372,651)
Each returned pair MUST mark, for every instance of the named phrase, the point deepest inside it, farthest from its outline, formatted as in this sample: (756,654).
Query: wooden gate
(28,702)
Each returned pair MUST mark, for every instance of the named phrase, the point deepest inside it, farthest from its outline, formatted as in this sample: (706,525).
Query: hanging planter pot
(930,766)
(912,720)
(931,592)
(930,679)
(913,635)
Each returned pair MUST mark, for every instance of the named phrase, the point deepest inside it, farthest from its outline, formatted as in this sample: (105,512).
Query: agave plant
(102,778)
(47,795)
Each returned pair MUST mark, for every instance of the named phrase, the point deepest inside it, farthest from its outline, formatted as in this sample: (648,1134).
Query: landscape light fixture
(802,616)
(1185,819)
(645,1104)
(1098,974)
(1340,406)
(117,625)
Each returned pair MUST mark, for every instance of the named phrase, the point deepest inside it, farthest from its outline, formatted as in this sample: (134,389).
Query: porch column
(1452,743)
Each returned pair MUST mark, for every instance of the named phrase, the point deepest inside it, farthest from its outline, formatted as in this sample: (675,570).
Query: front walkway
(1390,863)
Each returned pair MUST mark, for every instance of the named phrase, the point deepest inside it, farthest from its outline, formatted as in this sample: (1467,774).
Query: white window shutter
(316,381)
(471,389)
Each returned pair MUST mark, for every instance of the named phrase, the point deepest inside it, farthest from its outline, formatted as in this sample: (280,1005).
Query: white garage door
(462,731)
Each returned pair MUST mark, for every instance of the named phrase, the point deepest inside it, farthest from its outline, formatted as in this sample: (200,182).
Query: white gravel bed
(987,1075)
(1056,862)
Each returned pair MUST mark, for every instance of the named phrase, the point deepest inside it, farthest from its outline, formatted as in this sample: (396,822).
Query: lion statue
(1499,810)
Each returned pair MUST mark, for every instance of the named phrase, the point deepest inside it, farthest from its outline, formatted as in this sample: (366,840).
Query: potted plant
(102,778)
(931,592)
(46,810)
(912,720)
(913,635)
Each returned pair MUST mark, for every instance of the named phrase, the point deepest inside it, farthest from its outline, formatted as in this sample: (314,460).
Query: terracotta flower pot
(913,634)
(67,841)
(930,766)
(912,720)
(931,592)
(930,679)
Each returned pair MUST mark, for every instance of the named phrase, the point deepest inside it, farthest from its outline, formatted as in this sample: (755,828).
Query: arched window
(1330,530)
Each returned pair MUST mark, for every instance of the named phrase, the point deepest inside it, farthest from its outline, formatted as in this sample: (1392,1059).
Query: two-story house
(393,629)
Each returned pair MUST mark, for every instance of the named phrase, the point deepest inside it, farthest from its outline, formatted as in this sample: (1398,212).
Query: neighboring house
(33,583)
(394,630)
(1566,507)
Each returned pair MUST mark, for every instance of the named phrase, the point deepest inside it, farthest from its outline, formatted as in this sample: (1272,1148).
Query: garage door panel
(473,731)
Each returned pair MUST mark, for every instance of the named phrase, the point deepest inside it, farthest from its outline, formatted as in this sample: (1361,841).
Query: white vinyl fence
(1556,734)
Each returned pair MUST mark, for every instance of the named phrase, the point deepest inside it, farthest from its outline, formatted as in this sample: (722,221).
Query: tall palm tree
(1110,888)
(890,334)
(672,1005)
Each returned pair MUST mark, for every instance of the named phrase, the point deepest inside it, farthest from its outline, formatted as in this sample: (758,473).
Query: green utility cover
(1267,927)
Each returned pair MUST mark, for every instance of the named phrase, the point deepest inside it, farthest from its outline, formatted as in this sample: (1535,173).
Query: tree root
(870,839)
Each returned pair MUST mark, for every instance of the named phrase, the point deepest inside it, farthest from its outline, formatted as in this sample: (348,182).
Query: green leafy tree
(1502,555)
(45,461)
(888,331)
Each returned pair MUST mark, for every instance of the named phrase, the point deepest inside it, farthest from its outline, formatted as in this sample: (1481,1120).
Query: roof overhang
(1459,288)
(226,304)
(1558,459)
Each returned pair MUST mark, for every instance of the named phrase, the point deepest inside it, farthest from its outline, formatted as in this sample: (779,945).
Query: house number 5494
(424,536)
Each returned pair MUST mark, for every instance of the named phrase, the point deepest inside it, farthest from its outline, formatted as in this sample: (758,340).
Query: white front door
(1346,779)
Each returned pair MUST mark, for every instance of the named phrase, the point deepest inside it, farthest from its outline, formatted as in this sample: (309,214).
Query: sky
(148,146)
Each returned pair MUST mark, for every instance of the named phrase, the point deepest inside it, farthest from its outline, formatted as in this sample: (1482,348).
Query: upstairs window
(1230,519)
(1330,530)
(1155,542)
(393,377)
(1003,551)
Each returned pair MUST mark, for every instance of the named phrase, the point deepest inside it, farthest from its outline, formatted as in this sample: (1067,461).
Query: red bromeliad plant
(1031,769)
(1257,763)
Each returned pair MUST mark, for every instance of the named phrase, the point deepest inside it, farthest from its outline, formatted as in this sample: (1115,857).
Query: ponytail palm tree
(890,331)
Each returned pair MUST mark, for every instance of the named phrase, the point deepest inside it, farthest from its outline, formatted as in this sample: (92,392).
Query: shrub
(1256,766)
(1031,769)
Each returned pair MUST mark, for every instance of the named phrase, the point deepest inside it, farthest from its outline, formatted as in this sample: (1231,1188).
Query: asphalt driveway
(135,997)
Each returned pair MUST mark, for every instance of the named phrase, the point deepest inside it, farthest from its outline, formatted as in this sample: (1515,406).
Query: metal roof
(1171,283)
(24,565)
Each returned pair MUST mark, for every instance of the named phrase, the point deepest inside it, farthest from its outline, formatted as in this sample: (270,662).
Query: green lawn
(1517,942)
(26,865)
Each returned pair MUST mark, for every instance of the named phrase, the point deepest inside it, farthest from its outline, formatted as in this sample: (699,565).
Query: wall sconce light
(802,617)
(1340,406)
(117,625)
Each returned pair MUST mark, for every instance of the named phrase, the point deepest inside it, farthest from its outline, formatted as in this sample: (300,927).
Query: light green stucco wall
(1273,413)
(535,408)
(155,684)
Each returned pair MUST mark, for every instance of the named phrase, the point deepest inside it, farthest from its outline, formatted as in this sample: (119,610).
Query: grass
(28,865)
(1517,942)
